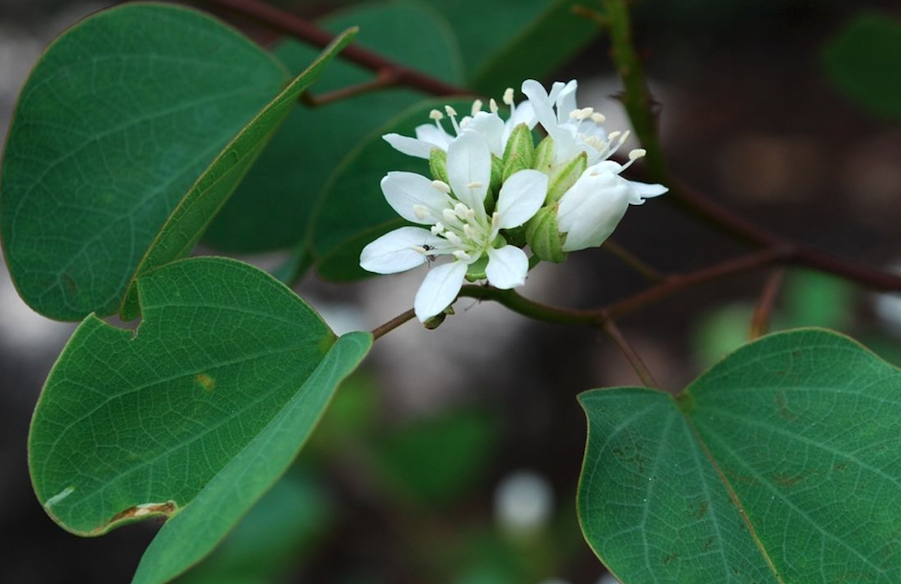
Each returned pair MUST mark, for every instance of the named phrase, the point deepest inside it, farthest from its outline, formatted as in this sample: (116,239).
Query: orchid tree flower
(592,208)
(489,124)
(460,227)
(573,130)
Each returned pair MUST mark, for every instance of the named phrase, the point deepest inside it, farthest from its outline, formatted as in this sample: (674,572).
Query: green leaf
(273,206)
(780,464)
(118,119)
(189,219)
(193,416)
(504,42)
(862,61)
(274,536)
(353,211)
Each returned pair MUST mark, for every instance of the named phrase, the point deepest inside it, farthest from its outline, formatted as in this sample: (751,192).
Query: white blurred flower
(460,226)
(523,503)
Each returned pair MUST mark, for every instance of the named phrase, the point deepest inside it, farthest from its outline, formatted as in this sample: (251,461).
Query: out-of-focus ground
(747,117)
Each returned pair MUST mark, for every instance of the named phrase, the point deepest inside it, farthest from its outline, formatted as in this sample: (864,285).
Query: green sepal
(437,320)
(516,236)
(494,187)
(438,164)
(476,270)
(544,237)
(544,155)
(520,151)
(565,176)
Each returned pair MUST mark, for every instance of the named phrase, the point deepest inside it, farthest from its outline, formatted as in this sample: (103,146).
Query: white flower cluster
(492,192)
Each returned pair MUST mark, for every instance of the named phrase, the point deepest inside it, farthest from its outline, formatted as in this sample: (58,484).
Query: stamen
(453,238)
(436,115)
(462,256)
(637,153)
(613,136)
(442,186)
(492,105)
(449,216)
(476,107)
(465,121)
(467,230)
(421,211)
(419,249)
(470,214)
(460,210)
(452,114)
(436,229)
(508,96)
(475,185)
(598,118)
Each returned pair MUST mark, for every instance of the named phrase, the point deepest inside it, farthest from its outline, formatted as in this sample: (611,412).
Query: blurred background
(453,456)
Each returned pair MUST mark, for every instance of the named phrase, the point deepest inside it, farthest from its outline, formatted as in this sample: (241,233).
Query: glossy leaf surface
(193,416)
(780,464)
(190,218)
(118,119)
(272,207)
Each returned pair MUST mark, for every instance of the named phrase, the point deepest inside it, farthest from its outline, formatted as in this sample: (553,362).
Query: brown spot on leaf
(145,510)
(789,480)
(708,545)
(702,509)
(840,466)
(630,454)
(669,559)
(206,381)
(783,408)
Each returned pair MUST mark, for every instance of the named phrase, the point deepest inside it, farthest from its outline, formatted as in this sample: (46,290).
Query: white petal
(491,126)
(507,267)
(642,191)
(523,114)
(394,252)
(438,290)
(591,209)
(520,198)
(541,103)
(408,146)
(435,136)
(566,101)
(405,190)
(469,163)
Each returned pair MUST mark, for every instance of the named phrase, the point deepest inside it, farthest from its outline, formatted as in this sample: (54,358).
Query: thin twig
(760,322)
(385,79)
(383,329)
(287,23)
(629,352)
(597,316)
(648,272)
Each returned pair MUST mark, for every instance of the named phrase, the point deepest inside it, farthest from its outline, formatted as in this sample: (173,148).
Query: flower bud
(544,155)
(592,208)
(544,237)
(565,176)
(438,164)
(520,151)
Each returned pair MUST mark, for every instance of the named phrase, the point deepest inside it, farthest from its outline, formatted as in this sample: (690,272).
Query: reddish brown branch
(629,353)
(382,330)
(287,23)
(386,78)
(760,322)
